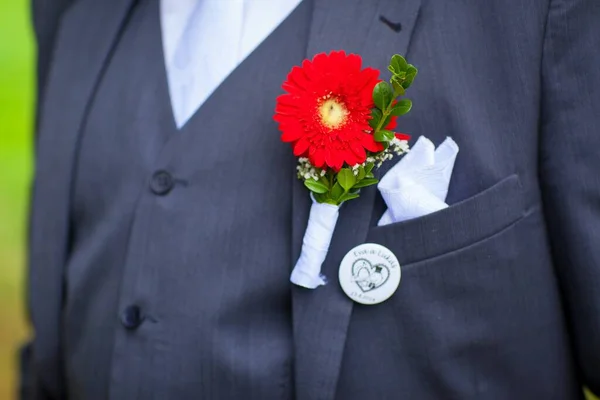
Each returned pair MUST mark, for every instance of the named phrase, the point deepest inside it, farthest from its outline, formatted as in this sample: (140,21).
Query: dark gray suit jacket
(499,293)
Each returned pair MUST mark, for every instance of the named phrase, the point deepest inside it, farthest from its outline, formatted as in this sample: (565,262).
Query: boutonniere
(339,119)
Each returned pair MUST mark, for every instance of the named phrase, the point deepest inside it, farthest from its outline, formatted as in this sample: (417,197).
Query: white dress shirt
(205,40)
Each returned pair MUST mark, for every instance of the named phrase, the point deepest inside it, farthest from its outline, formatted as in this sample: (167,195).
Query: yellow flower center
(333,113)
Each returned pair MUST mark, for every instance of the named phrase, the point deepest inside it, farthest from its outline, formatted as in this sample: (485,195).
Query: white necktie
(206,53)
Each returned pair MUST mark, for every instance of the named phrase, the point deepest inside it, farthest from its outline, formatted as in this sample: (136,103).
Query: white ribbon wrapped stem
(317,238)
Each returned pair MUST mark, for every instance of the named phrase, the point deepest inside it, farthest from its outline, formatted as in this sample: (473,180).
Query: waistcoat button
(131,317)
(161,183)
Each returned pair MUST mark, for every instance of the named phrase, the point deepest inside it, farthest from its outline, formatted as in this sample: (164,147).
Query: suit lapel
(321,316)
(89,32)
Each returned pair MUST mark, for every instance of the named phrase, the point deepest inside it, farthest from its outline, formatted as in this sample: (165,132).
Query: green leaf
(387,121)
(398,63)
(384,135)
(382,95)
(346,178)
(320,197)
(348,196)
(397,85)
(332,202)
(336,191)
(376,116)
(366,182)
(409,80)
(411,70)
(389,134)
(379,137)
(361,173)
(370,175)
(401,107)
(315,186)
(369,167)
(324,181)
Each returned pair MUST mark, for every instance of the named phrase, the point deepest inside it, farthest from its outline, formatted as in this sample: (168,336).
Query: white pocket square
(418,184)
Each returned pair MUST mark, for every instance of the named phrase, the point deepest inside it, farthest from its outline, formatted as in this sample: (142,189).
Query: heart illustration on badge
(368,276)
(374,269)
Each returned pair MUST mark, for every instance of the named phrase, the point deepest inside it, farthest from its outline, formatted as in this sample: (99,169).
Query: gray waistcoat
(170,231)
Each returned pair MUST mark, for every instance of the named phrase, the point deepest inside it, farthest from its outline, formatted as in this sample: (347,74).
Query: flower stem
(385,114)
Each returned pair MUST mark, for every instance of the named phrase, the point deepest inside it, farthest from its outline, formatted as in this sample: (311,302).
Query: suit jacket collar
(321,317)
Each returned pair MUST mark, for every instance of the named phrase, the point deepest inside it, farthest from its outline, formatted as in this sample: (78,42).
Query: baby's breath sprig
(307,171)
(397,147)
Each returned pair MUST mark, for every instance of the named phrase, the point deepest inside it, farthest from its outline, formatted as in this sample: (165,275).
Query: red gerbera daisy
(326,110)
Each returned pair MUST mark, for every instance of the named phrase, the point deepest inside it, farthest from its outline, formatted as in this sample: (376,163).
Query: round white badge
(369,273)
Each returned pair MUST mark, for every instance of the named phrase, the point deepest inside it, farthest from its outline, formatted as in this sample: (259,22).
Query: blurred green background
(16,123)
(17,94)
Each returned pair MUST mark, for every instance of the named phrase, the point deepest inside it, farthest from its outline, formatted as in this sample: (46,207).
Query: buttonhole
(151,319)
(181,182)
(395,26)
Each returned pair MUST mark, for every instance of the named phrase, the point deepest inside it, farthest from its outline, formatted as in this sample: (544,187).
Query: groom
(166,216)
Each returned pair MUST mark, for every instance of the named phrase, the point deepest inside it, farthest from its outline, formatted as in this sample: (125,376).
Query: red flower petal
(291,135)
(330,159)
(392,124)
(301,146)
(402,136)
(352,159)
(317,158)
(325,111)
(370,144)
(359,151)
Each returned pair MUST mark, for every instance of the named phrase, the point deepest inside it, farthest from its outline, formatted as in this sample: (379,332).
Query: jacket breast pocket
(455,227)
